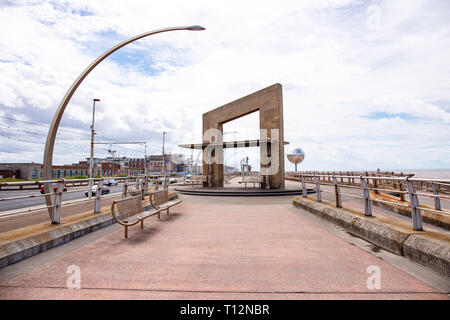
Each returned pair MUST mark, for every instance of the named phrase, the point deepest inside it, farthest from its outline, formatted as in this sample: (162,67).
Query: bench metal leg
(126,232)
(142,224)
(159,216)
(168,210)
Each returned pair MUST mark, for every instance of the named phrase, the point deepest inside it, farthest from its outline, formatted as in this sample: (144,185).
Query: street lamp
(163,170)
(50,142)
(91,164)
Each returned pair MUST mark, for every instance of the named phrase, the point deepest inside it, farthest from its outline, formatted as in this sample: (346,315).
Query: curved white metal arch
(50,142)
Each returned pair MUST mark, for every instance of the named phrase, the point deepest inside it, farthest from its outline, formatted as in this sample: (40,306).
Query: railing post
(98,197)
(318,193)
(56,210)
(402,195)
(303,186)
(367,204)
(338,193)
(415,209)
(125,189)
(375,186)
(437,201)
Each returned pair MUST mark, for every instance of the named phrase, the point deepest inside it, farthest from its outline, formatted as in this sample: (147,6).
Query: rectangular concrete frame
(269,103)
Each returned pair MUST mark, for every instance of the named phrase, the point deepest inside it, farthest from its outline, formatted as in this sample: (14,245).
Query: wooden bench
(160,200)
(255,180)
(129,211)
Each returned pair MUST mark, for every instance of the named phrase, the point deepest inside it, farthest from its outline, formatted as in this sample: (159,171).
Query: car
(105,190)
(110,182)
(188,178)
(55,187)
(173,180)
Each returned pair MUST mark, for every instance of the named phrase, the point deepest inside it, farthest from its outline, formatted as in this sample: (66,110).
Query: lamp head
(195,28)
(96,99)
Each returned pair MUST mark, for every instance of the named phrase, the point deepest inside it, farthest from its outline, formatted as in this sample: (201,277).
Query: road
(71,194)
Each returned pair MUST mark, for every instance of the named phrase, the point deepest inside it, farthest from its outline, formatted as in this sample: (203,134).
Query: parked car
(188,178)
(173,180)
(105,190)
(55,187)
(110,182)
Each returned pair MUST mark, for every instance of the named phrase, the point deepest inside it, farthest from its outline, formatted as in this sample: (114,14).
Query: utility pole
(91,162)
(145,159)
(192,160)
(163,170)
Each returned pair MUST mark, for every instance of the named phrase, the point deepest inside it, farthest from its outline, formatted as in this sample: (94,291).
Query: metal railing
(398,185)
(132,185)
(350,178)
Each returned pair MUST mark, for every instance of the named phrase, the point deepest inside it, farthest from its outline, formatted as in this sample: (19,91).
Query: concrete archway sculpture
(269,103)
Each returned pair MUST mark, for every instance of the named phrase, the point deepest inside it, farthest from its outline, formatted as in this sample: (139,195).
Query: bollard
(318,193)
(338,193)
(98,197)
(415,210)
(56,211)
(367,204)
(303,186)
(437,201)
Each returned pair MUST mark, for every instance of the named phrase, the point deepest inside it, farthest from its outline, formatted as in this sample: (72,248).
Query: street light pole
(163,170)
(50,142)
(91,165)
(145,159)
(91,162)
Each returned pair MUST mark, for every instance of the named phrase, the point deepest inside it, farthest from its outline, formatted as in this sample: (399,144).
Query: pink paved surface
(210,250)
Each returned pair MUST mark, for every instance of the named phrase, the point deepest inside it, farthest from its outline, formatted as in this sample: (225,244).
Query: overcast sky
(366,84)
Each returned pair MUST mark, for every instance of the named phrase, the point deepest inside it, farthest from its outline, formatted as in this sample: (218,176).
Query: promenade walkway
(215,248)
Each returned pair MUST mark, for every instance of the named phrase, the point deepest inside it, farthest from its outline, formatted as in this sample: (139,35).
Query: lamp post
(145,159)
(91,164)
(163,170)
(50,142)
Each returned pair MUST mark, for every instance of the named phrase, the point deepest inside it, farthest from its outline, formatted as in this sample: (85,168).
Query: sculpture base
(239,192)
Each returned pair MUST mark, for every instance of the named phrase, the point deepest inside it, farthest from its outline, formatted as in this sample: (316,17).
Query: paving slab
(220,249)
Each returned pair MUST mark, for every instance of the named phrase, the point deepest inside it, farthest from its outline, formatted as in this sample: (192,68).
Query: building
(173,163)
(103,167)
(29,171)
(75,169)
(25,171)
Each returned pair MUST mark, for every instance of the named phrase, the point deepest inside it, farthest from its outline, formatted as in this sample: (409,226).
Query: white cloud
(337,74)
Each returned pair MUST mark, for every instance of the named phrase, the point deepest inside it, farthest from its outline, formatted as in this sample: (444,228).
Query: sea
(425,173)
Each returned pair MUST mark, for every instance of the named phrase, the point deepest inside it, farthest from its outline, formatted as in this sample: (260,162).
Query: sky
(366,84)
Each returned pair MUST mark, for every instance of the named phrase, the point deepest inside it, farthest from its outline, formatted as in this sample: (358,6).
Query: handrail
(141,183)
(401,184)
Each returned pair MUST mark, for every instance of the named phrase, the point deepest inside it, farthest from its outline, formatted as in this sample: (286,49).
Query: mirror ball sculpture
(295,156)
